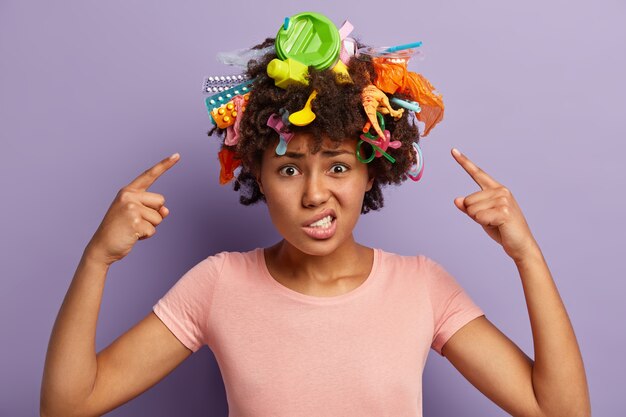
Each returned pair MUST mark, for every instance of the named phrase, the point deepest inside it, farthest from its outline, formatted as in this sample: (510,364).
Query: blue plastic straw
(405,46)
(409,105)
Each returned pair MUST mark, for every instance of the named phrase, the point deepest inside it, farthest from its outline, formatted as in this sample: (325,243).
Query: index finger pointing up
(149,176)
(478,175)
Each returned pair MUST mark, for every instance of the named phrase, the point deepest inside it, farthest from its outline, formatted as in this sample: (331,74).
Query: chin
(316,247)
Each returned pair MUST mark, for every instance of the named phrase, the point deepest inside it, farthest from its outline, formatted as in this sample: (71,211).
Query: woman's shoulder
(416,260)
(237,259)
(250,254)
(225,261)
(390,256)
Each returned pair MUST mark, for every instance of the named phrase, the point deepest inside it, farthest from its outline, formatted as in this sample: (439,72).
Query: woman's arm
(558,374)
(555,383)
(71,369)
(76,381)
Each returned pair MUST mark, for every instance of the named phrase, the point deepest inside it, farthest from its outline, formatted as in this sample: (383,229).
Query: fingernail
(174,156)
(456,152)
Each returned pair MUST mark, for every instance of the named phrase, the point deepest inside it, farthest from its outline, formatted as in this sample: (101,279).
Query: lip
(320,216)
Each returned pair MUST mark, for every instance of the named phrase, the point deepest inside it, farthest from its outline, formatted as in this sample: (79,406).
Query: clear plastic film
(398,53)
(241,57)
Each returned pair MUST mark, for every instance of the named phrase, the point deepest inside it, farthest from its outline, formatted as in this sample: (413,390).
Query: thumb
(458,202)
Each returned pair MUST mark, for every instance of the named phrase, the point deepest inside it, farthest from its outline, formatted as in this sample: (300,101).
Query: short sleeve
(452,307)
(185,308)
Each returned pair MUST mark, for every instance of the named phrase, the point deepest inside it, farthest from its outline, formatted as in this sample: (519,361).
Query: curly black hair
(339,115)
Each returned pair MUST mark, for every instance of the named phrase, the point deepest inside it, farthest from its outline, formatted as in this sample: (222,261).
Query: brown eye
(288,171)
(339,169)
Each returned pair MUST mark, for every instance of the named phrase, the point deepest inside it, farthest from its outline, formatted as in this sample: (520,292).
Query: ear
(370,183)
(258,181)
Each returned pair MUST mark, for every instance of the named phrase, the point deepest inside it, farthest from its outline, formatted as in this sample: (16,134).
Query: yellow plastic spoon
(305,116)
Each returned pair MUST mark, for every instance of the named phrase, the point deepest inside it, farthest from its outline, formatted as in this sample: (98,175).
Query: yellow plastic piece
(287,72)
(341,73)
(305,116)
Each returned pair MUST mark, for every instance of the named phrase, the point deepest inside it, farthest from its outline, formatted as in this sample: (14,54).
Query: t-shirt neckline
(316,299)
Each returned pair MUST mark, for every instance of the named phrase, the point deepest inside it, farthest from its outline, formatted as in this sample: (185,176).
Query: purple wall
(92,93)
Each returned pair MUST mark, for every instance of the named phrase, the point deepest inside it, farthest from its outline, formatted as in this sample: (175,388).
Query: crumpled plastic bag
(228,163)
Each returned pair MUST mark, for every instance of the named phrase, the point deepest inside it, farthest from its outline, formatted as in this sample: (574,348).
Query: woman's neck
(348,261)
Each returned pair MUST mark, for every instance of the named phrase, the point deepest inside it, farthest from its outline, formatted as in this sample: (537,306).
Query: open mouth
(323,223)
(322,229)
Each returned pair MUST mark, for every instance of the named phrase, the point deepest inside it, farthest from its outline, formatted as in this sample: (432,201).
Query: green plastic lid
(310,38)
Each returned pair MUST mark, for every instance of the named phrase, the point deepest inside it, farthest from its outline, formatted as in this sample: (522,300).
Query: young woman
(316,324)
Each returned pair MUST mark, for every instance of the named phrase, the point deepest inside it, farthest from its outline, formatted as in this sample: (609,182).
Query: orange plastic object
(374,100)
(228,163)
(226,114)
(394,77)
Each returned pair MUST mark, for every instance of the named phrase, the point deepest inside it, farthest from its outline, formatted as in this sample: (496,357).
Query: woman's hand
(495,209)
(133,215)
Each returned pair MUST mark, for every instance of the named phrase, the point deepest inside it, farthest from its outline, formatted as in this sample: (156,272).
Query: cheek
(278,196)
(352,194)
(276,208)
(364,181)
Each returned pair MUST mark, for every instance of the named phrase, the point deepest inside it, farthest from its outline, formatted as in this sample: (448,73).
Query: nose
(316,191)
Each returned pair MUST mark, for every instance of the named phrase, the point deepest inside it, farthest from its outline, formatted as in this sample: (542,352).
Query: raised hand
(495,209)
(133,215)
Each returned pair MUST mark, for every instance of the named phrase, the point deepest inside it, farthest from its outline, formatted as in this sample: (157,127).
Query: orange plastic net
(394,77)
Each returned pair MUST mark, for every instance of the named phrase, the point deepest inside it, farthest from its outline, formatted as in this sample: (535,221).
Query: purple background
(92,93)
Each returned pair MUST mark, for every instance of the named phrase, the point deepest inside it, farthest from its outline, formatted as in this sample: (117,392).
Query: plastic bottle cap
(277,69)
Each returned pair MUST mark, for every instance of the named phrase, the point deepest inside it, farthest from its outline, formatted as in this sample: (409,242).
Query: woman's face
(314,200)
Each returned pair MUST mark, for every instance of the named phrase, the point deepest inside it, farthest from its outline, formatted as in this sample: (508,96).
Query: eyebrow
(329,153)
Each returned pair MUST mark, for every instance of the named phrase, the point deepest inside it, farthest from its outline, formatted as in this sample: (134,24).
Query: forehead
(304,143)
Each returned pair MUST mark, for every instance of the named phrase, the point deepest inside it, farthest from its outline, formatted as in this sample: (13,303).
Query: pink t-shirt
(283,353)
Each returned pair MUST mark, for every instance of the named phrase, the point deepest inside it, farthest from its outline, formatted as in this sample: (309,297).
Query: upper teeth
(325,222)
